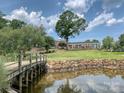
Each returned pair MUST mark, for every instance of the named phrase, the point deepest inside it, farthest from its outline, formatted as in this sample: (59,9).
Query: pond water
(84,81)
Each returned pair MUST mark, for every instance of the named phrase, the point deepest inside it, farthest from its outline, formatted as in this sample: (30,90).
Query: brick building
(83,45)
(80,45)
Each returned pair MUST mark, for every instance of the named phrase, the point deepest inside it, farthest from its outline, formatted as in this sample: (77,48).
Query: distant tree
(87,41)
(95,41)
(50,42)
(69,25)
(121,39)
(121,42)
(108,43)
(62,44)
(92,41)
(3,22)
(15,24)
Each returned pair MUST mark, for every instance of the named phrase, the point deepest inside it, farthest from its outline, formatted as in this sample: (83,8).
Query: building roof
(82,43)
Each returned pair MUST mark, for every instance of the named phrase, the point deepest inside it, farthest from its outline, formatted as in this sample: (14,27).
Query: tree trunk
(66,43)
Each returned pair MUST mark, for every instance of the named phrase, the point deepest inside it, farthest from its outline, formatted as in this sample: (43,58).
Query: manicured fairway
(84,54)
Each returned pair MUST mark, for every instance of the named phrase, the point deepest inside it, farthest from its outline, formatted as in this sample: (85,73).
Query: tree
(87,41)
(108,43)
(95,41)
(12,40)
(62,44)
(121,42)
(3,22)
(92,41)
(3,75)
(50,42)
(15,24)
(121,39)
(69,25)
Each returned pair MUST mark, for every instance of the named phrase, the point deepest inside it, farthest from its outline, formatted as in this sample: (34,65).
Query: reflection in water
(67,88)
(85,81)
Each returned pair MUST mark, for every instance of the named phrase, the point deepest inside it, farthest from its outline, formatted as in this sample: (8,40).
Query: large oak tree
(69,25)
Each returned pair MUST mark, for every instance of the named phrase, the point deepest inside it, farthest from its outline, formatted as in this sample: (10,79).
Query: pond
(84,81)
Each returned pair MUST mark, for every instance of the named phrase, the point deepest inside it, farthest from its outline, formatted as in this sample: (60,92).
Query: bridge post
(27,78)
(30,59)
(38,66)
(40,57)
(35,69)
(36,57)
(20,67)
(39,69)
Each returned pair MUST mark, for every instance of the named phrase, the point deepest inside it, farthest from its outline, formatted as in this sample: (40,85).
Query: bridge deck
(12,66)
(16,68)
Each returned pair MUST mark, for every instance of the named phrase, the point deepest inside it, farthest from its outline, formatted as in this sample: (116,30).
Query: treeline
(16,35)
(109,44)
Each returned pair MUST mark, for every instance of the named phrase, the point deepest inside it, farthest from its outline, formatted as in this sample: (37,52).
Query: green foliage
(15,24)
(62,44)
(3,81)
(92,41)
(50,42)
(12,40)
(95,41)
(69,25)
(87,41)
(3,22)
(121,40)
(108,43)
(25,38)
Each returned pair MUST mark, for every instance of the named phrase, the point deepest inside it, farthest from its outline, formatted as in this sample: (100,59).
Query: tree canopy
(69,25)
(108,43)
(92,41)
(15,24)
(49,42)
(16,34)
(121,42)
(3,22)
(27,37)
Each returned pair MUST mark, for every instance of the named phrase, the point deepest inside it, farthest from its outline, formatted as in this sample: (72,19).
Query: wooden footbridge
(23,72)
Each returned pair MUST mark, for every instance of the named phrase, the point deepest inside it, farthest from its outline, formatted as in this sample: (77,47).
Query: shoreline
(74,65)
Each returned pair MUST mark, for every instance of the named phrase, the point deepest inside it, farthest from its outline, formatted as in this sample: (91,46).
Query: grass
(84,54)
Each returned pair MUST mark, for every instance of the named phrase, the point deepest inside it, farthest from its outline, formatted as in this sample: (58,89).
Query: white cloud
(50,22)
(22,14)
(100,19)
(79,6)
(35,18)
(109,4)
(104,18)
(115,21)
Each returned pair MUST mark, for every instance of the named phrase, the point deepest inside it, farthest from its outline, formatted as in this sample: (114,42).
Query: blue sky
(104,17)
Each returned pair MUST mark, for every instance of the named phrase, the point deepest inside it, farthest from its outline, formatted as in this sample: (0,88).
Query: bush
(3,81)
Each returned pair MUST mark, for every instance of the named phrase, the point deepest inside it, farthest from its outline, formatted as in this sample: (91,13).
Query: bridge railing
(21,66)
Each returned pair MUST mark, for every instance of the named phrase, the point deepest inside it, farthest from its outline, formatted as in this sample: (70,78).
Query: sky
(104,17)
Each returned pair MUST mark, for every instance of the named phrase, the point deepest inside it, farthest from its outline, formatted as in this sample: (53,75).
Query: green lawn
(84,54)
